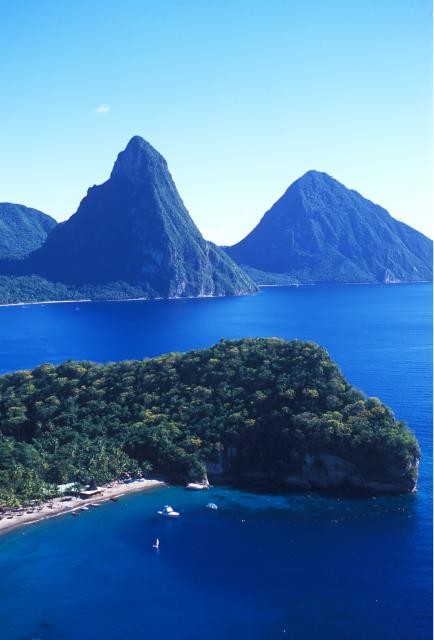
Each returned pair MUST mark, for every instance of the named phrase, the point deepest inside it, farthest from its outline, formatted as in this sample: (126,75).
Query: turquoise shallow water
(262,566)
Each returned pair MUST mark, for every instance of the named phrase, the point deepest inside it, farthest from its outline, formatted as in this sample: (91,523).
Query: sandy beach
(42,302)
(59,506)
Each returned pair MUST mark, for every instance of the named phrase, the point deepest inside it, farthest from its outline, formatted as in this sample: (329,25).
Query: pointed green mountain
(135,229)
(320,231)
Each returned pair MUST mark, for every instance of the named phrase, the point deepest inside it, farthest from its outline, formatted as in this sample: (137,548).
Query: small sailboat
(156,544)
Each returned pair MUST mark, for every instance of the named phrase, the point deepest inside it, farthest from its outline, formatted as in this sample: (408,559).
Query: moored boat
(197,486)
(168,512)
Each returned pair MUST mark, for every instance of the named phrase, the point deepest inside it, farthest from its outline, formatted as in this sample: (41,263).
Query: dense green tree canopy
(269,401)
(22,230)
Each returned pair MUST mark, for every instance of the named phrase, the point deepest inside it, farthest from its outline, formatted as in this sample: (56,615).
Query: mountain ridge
(22,230)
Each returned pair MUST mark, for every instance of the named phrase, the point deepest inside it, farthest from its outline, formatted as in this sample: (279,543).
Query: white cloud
(103,108)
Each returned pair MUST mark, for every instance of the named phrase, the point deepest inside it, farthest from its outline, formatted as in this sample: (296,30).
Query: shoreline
(343,284)
(58,506)
(260,286)
(171,298)
(20,304)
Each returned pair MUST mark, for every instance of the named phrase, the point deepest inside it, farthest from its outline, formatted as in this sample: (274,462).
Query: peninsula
(251,408)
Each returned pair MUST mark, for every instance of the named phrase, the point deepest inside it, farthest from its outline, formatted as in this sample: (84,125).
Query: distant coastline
(82,300)
(206,297)
(345,284)
(20,304)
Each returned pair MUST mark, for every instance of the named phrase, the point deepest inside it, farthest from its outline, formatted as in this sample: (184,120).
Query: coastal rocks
(224,462)
(320,472)
(327,472)
(390,278)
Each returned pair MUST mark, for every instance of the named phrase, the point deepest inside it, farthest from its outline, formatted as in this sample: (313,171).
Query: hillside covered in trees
(131,236)
(22,230)
(321,231)
(263,407)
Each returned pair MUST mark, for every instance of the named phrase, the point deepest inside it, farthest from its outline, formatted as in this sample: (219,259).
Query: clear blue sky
(241,97)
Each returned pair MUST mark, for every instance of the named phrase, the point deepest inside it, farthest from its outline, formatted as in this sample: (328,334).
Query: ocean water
(262,566)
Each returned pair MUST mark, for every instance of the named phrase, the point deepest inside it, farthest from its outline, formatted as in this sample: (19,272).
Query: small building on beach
(90,493)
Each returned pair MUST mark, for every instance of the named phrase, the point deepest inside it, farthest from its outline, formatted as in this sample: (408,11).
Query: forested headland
(252,406)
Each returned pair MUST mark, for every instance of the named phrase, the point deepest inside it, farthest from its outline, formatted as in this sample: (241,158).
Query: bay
(262,566)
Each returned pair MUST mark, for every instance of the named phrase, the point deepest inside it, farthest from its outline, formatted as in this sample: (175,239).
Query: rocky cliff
(322,472)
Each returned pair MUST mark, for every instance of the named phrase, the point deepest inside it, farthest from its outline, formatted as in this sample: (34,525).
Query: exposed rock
(320,472)
(224,462)
(327,472)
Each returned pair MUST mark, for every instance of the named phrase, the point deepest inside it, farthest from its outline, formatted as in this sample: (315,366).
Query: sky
(240,96)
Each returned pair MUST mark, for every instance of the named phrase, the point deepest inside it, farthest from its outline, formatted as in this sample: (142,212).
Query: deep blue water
(262,566)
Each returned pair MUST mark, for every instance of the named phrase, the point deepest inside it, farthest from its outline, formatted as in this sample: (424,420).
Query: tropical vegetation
(268,401)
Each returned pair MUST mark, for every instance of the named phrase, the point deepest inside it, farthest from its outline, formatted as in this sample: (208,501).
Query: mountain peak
(312,182)
(133,232)
(313,177)
(313,173)
(321,231)
(138,161)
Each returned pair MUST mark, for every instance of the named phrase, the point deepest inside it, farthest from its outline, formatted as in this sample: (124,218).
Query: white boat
(212,506)
(168,512)
(156,544)
(197,486)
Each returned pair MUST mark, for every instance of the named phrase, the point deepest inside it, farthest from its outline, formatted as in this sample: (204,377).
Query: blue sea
(262,566)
